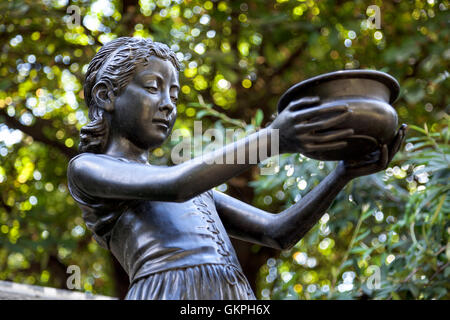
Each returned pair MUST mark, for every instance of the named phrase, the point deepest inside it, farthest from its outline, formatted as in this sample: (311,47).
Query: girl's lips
(162,122)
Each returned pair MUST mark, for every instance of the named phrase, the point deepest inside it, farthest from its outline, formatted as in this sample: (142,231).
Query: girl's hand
(374,162)
(298,125)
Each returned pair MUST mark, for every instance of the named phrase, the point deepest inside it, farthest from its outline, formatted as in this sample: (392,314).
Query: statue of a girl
(165,225)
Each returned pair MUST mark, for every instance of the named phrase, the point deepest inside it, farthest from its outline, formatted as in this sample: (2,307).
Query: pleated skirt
(202,282)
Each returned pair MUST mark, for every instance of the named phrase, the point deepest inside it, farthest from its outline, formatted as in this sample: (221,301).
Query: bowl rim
(380,76)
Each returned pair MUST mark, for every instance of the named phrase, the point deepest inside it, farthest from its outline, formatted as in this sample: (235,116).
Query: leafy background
(238,58)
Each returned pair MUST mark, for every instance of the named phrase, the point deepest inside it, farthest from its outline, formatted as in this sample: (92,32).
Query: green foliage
(239,57)
(394,223)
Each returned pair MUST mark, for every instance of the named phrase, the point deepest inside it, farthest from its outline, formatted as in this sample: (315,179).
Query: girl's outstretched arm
(283,230)
(106,177)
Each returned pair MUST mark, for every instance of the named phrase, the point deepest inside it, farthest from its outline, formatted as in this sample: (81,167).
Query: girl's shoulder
(88,168)
(86,165)
(86,156)
(82,159)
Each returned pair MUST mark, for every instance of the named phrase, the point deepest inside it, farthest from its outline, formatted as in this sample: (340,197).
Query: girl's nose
(167,105)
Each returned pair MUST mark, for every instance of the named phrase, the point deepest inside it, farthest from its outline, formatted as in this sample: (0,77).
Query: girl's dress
(170,250)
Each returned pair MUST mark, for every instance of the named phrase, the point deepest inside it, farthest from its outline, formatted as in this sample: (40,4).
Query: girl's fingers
(384,156)
(369,160)
(309,147)
(320,111)
(327,136)
(323,124)
(303,102)
(398,141)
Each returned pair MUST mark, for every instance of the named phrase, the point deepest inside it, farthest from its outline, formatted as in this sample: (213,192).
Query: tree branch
(261,102)
(288,63)
(5,206)
(35,131)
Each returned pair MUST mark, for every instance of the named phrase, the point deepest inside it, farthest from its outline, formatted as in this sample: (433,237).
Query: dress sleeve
(100,215)
(78,195)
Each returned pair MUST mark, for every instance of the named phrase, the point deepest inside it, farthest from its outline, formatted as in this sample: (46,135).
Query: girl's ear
(103,96)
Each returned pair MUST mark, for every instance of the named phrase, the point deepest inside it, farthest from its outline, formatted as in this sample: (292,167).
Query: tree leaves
(42,66)
(407,242)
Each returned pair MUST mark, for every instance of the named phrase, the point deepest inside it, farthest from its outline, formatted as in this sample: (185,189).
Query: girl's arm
(106,177)
(283,230)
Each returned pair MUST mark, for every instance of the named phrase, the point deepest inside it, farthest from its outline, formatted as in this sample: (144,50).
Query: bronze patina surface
(166,225)
(368,94)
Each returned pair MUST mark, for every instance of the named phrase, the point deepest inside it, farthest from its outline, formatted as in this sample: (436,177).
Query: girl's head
(120,77)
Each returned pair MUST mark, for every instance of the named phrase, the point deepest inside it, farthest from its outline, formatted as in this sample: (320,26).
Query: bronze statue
(165,225)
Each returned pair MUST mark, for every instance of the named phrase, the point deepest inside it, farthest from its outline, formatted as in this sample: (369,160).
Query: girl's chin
(156,140)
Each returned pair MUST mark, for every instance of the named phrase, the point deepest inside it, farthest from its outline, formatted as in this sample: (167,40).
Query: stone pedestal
(16,291)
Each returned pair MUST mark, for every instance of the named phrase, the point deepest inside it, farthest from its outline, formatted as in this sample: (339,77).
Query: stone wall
(16,291)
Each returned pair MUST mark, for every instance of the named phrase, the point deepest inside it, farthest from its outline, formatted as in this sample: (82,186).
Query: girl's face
(145,111)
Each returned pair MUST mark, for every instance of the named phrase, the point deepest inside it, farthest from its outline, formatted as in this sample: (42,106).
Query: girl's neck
(120,147)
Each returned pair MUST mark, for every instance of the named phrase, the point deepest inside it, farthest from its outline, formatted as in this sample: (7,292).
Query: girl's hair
(114,64)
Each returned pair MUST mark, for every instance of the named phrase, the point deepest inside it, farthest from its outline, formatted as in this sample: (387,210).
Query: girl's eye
(174,99)
(152,89)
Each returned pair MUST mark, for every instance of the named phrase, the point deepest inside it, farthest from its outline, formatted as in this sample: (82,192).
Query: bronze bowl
(369,95)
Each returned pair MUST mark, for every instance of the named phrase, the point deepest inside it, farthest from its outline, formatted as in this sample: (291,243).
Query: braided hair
(115,64)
